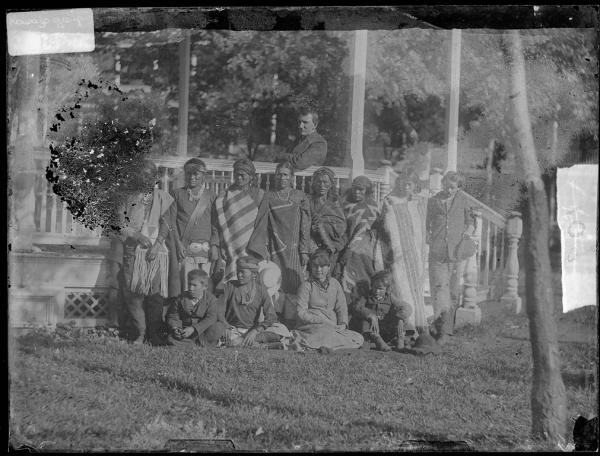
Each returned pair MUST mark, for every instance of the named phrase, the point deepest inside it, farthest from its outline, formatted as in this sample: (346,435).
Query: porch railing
(491,274)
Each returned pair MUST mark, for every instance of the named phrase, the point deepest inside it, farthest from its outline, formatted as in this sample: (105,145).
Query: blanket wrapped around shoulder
(236,211)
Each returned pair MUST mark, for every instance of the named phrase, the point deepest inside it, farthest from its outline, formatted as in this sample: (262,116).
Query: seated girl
(322,314)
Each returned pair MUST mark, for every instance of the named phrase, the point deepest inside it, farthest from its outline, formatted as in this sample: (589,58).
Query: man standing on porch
(449,220)
(187,227)
(310,148)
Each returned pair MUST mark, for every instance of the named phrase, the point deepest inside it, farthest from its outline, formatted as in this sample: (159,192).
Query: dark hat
(424,345)
(466,248)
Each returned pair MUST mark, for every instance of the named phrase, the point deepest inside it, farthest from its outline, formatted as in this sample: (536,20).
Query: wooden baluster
(69,222)
(495,249)
(43,204)
(53,212)
(514,229)
(470,313)
(486,262)
(63,218)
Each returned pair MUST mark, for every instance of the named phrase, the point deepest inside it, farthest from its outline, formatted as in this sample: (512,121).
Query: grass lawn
(106,394)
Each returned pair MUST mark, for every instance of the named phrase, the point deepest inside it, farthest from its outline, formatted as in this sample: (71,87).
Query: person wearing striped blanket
(234,213)
(144,267)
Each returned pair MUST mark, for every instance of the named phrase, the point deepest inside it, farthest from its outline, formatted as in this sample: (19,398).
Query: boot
(439,332)
(139,340)
(380,343)
(446,325)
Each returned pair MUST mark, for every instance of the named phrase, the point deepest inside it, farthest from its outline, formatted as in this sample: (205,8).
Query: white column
(454,99)
(184,92)
(359,71)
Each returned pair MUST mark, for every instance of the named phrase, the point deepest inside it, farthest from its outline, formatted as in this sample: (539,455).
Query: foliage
(561,81)
(240,80)
(80,394)
(93,170)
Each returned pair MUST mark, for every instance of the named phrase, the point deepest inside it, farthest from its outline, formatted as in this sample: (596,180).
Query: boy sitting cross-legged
(240,310)
(192,316)
(379,317)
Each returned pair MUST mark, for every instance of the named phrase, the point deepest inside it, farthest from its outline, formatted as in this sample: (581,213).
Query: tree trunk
(548,396)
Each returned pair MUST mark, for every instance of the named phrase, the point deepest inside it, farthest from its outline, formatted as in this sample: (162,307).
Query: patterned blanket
(236,213)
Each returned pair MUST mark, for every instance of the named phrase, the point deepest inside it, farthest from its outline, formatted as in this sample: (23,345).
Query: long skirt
(315,336)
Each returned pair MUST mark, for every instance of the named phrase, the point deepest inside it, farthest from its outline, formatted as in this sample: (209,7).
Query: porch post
(359,71)
(454,99)
(184,93)
(22,165)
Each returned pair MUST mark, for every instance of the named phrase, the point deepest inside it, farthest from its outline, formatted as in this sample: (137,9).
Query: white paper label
(50,31)
(577,201)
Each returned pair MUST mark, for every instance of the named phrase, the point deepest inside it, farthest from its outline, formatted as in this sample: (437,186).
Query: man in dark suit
(310,148)
(449,219)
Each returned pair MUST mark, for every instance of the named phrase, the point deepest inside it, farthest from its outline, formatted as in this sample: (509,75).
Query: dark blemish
(9,247)
(72,247)
(60,117)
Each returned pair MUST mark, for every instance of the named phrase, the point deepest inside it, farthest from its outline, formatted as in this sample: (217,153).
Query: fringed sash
(144,272)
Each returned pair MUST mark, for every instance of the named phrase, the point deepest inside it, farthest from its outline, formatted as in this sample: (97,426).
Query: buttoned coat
(446,224)
(310,150)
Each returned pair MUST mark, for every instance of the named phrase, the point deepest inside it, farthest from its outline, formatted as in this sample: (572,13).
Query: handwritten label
(577,201)
(50,31)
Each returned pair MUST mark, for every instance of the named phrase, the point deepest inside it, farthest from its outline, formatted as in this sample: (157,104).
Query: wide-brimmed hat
(466,248)
(270,275)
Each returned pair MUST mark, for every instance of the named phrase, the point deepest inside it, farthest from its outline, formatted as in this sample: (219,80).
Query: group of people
(283,269)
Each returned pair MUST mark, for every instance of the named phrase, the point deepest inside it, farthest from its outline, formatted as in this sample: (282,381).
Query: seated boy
(192,316)
(378,317)
(240,310)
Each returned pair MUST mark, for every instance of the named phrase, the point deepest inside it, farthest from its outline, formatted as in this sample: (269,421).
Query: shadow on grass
(226,400)
(582,379)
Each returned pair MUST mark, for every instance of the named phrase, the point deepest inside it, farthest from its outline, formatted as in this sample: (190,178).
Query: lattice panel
(86,304)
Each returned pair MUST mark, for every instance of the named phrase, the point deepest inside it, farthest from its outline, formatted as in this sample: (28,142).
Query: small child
(192,316)
(379,317)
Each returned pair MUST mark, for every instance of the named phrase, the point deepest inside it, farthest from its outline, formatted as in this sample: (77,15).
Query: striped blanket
(236,213)
(360,217)
(404,222)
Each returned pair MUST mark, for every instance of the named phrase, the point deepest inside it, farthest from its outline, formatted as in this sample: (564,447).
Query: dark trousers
(146,315)
(390,327)
(209,338)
